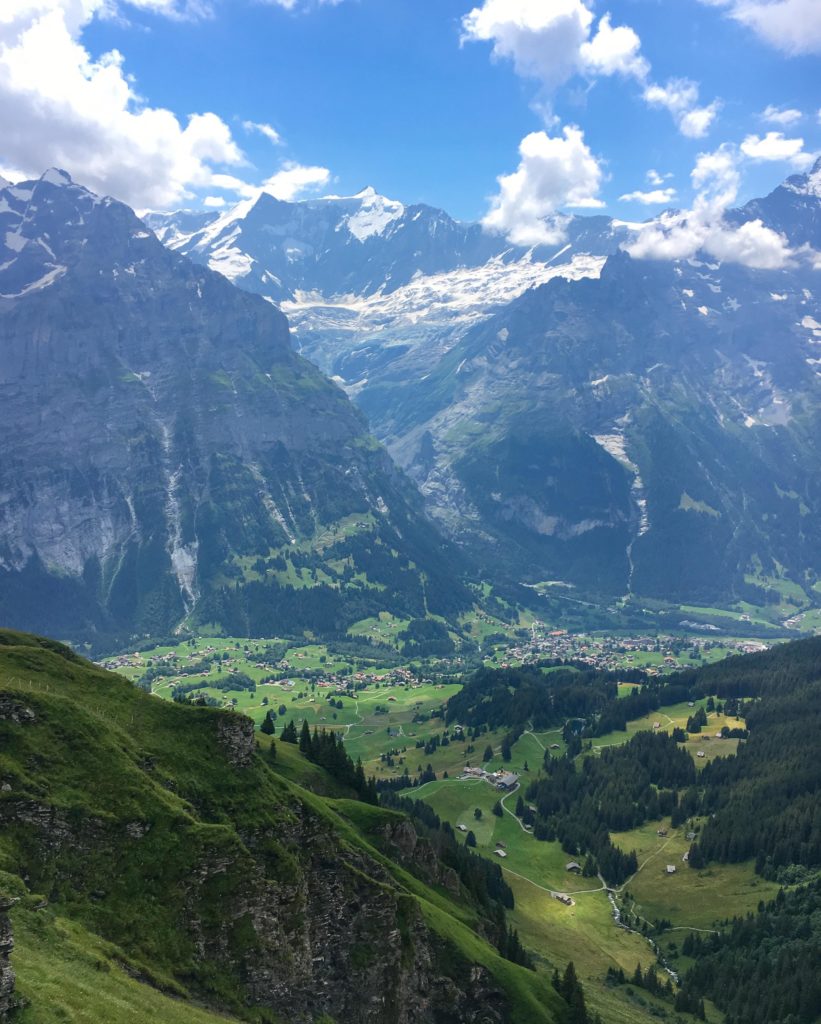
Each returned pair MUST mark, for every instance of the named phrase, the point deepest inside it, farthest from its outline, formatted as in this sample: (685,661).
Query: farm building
(508,781)
(573,866)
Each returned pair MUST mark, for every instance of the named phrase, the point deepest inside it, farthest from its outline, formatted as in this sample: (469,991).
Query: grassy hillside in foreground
(167,859)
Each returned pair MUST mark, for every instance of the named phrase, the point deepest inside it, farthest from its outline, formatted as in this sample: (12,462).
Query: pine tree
(572,993)
(268,726)
(305,737)
(488,754)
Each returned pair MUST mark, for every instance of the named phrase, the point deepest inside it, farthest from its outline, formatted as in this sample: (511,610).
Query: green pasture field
(689,898)
(675,716)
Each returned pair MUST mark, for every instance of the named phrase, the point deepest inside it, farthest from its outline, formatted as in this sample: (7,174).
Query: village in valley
(391,712)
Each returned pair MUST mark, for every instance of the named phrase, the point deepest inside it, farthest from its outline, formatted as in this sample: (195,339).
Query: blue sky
(391,93)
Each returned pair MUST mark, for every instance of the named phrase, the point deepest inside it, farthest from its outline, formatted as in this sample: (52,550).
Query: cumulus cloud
(61,106)
(264,129)
(681,235)
(655,178)
(655,197)
(680,97)
(775,146)
(613,51)
(791,26)
(296,180)
(213,202)
(554,41)
(552,173)
(778,115)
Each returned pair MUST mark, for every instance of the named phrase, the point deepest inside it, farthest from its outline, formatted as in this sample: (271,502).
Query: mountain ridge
(164,436)
(432,363)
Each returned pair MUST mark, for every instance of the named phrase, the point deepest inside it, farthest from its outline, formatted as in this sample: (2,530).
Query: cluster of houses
(611,653)
(505,781)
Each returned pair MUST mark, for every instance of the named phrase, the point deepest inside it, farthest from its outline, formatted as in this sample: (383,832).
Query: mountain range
(167,454)
(630,427)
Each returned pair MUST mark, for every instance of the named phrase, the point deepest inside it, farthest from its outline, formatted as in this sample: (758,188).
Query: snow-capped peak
(806,184)
(56,176)
(4,182)
(374,214)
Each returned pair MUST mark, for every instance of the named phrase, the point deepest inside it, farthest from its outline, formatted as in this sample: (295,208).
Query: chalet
(500,853)
(700,753)
(563,898)
(508,780)
(574,867)
(554,746)
(661,832)
(462,828)
(671,869)
(656,725)
(501,845)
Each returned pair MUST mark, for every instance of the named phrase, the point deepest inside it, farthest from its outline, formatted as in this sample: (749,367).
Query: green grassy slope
(162,840)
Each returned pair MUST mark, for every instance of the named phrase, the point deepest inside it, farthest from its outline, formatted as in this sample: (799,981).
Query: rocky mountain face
(654,431)
(167,454)
(8,1002)
(627,426)
(161,829)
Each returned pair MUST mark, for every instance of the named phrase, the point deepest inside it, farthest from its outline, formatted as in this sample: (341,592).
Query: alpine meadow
(410,512)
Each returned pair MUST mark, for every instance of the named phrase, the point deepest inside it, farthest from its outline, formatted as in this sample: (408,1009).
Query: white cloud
(213,202)
(782,116)
(295,5)
(655,178)
(60,106)
(295,180)
(680,97)
(552,173)
(774,146)
(613,51)
(791,26)
(656,197)
(230,183)
(681,235)
(696,123)
(264,129)
(554,41)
